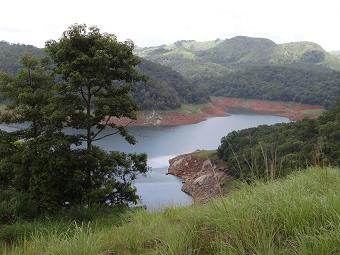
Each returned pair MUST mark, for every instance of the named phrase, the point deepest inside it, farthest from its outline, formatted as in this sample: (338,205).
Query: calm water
(162,143)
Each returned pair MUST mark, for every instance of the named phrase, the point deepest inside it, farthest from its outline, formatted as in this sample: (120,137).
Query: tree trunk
(88,115)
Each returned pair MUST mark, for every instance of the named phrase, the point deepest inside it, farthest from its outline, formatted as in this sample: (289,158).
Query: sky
(155,22)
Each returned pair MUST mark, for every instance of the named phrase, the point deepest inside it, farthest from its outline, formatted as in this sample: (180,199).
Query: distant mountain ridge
(255,68)
(201,60)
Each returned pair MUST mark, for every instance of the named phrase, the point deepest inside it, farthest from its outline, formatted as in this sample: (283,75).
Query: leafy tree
(89,83)
(98,73)
(97,76)
(36,160)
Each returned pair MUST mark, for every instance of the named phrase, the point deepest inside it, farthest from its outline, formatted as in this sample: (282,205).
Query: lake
(162,143)
(157,189)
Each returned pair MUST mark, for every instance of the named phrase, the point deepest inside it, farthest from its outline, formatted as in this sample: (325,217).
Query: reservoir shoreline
(221,107)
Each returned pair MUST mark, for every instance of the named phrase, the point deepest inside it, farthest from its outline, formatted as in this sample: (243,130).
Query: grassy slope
(182,56)
(296,215)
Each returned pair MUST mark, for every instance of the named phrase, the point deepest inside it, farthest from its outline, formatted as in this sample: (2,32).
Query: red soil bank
(293,111)
(219,108)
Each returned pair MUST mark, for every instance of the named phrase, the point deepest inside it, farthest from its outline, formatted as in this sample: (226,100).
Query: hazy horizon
(152,23)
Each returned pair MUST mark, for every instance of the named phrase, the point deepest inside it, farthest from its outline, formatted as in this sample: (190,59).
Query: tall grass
(299,214)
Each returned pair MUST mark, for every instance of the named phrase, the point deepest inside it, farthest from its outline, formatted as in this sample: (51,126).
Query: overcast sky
(154,22)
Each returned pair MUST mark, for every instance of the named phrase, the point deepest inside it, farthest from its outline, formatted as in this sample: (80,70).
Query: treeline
(295,83)
(274,151)
(164,89)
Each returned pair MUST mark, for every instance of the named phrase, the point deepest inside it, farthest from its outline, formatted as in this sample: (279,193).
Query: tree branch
(114,133)
(102,128)
(83,95)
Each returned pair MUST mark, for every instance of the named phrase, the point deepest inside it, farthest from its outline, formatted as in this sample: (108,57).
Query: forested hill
(165,88)
(244,67)
(275,151)
(255,68)
(10,55)
(293,83)
(201,60)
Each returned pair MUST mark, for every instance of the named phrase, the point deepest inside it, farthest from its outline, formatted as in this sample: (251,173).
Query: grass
(299,214)
(206,154)
(66,222)
(193,108)
(314,112)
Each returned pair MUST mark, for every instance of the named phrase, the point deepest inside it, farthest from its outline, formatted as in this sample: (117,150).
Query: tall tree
(98,73)
(97,76)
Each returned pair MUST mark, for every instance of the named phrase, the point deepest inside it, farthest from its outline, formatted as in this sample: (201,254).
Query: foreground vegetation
(295,215)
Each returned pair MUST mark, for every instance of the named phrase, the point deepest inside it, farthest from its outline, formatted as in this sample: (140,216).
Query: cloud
(152,22)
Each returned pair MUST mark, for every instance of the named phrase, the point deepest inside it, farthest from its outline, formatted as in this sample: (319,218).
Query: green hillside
(307,83)
(256,68)
(240,50)
(237,52)
(276,150)
(165,88)
(303,53)
(10,55)
(184,57)
(295,215)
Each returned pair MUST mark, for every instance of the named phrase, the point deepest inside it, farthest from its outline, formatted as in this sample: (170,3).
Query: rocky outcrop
(202,178)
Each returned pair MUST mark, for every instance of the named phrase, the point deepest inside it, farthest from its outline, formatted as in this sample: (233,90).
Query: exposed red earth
(220,107)
(293,111)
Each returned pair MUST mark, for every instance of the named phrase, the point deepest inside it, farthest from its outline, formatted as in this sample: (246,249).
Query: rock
(200,177)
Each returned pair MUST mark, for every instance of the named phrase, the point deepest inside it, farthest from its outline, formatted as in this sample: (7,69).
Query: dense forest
(296,83)
(274,151)
(255,68)
(163,89)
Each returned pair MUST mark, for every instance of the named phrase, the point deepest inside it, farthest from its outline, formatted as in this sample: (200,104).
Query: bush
(15,205)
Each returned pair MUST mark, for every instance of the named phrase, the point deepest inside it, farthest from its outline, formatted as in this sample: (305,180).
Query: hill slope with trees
(274,151)
(254,68)
(244,67)
(164,89)
(233,54)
